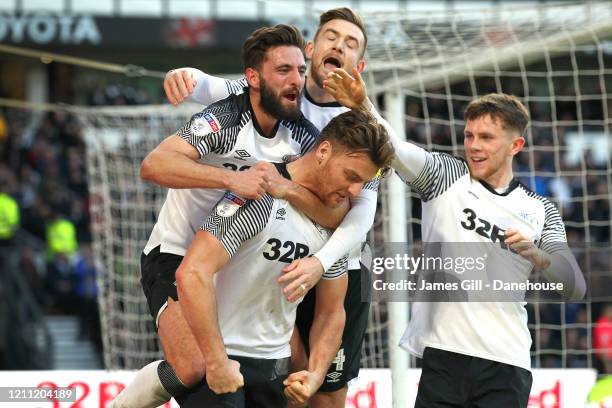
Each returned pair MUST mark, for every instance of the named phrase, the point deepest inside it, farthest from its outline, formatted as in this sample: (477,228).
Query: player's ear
(361,65)
(309,49)
(517,145)
(324,152)
(252,77)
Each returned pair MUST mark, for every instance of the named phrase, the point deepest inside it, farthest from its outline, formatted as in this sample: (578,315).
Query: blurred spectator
(602,339)
(60,284)
(61,237)
(86,291)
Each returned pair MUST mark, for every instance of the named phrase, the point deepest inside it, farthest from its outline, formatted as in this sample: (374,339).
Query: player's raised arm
(193,85)
(198,303)
(325,334)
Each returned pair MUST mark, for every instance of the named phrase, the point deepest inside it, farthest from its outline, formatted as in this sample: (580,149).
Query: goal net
(422,69)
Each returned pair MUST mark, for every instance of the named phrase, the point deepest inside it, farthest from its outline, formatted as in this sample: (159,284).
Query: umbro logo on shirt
(241,155)
(333,377)
(280,214)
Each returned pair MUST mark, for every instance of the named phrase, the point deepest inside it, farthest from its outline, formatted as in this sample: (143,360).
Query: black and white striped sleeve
(232,223)
(236,86)
(216,128)
(373,184)
(553,237)
(440,171)
(303,132)
(339,268)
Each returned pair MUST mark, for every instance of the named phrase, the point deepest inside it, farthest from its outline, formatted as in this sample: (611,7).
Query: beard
(272,104)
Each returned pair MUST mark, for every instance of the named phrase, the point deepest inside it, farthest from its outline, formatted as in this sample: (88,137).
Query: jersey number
(295,250)
(483,227)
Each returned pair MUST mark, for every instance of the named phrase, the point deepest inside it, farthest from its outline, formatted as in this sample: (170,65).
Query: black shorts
(158,277)
(263,387)
(453,380)
(346,364)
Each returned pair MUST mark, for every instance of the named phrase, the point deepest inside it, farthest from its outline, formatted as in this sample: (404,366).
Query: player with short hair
(477,353)
(339,42)
(227,280)
(199,162)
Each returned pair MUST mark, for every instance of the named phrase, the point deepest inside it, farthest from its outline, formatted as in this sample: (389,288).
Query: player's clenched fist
(224,377)
(300,386)
(250,183)
(178,85)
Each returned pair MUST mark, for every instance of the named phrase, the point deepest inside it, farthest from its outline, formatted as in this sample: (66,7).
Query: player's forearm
(325,338)
(564,269)
(409,158)
(308,203)
(208,88)
(352,229)
(196,291)
(175,170)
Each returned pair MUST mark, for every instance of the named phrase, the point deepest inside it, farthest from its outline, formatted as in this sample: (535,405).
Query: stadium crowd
(43,170)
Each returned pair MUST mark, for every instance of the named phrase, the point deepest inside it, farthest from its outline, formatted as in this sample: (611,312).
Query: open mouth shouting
(331,63)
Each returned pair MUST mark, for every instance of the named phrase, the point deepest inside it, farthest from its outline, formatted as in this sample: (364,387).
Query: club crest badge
(205,124)
(229,204)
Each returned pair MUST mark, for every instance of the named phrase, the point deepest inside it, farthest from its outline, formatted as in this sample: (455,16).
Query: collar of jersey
(282,170)
(514,183)
(333,104)
(254,118)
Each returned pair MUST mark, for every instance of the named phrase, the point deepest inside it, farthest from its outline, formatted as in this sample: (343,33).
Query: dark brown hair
(255,47)
(507,108)
(357,131)
(346,14)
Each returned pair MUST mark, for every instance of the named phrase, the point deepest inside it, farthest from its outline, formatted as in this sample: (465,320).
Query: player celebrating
(340,41)
(264,122)
(477,353)
(243,315)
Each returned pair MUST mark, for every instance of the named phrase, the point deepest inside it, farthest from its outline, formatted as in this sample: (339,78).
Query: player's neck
(318,94)
(265,121)
(303,172)
(501,180)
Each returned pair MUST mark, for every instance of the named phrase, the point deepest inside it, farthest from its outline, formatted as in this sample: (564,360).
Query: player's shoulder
(301,127)
(550,209)
(225,112)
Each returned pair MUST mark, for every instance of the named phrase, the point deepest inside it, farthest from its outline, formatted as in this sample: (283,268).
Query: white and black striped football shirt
(226,134)
(457,208)
(261,237)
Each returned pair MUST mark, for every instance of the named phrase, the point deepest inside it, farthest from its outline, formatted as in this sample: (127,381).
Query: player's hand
(300,386)
(250,183)
(525,247)
(224,377)
(278,186)
(178,85)
(300,276)
(349,91)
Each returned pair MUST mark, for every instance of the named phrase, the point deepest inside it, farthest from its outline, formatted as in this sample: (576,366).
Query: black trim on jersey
(248,221)
(514,183)
(339,268)
(441,170)
(333,104)
(282,169)
(553,236)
